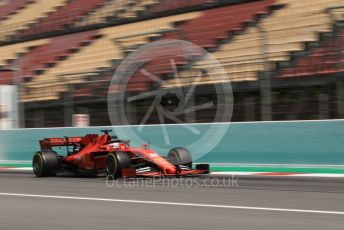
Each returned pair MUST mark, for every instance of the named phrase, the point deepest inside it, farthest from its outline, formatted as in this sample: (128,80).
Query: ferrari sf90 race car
(93,153)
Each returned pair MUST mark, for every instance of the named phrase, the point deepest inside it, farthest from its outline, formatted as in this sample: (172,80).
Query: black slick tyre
(45,164)
(115,163)
(180,156)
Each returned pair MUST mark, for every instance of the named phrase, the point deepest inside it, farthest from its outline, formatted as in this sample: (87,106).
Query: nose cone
(170,170)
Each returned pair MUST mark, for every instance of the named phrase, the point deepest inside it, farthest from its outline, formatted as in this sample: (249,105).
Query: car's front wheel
(180,156)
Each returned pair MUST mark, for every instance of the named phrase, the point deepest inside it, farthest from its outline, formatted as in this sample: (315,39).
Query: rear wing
(49,143)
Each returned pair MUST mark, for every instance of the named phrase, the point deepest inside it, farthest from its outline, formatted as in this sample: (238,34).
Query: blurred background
(284,59)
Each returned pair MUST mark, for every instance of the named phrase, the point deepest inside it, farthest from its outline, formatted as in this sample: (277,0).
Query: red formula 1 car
(92,154)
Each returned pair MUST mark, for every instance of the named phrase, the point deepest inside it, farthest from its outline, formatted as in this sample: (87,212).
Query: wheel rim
(37,165)
(110,166)
(174,158)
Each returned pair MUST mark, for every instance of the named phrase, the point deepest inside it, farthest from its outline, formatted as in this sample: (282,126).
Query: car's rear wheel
(115,163)
(180,156)
(45,163)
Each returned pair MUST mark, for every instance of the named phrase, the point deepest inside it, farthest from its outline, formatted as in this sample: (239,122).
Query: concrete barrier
(318,143)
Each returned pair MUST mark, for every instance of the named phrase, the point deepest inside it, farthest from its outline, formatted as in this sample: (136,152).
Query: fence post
(265,79)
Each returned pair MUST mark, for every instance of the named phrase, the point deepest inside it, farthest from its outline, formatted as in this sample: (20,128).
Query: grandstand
(286,31)
(63,53)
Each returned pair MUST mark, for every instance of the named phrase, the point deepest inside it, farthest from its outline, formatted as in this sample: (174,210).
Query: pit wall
(253,146)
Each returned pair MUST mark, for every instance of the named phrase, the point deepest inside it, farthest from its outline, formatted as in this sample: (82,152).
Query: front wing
(200,169)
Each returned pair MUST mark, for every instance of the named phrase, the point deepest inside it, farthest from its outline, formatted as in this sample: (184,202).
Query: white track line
(16,169)
(270,174)
(324,175)
(234,173)
(175,203)
(258,174)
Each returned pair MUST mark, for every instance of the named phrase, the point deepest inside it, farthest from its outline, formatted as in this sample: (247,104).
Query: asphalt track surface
(67,202)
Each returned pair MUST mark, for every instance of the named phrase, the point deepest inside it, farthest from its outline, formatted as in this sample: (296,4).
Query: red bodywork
(95,149)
